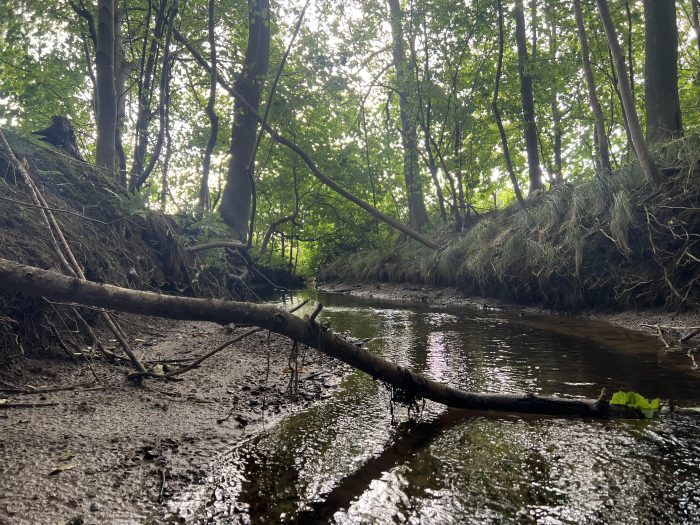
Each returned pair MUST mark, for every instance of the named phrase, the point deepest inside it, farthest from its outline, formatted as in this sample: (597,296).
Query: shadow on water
(351,460)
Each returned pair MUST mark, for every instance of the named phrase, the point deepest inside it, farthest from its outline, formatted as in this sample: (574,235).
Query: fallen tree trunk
(57,287)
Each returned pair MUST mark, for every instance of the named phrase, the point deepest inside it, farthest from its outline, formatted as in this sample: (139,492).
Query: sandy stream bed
(113,452)
(116,453)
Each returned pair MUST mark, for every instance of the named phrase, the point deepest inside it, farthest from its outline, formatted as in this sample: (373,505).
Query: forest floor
(110,451)
(643,320)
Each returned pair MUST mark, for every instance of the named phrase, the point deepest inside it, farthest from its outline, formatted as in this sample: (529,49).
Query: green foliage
(336,98)
(636,401)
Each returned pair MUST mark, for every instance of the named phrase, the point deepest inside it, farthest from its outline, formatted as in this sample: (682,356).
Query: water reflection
(350,461)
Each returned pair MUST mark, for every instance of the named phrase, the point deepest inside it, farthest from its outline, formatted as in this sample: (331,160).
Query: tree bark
(106,99)
(602,138)
(528,101)
(145,91)
(236,200)
(203,201)
(163,99)
(630,47)
(417,214)
(695,23)
(663,107)
(425,119)
(316,172)
(57,287)
(121,70)
(650,170)
(553,28)
(497,113)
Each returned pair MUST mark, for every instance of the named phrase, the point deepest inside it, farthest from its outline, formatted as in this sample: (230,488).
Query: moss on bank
(610,242)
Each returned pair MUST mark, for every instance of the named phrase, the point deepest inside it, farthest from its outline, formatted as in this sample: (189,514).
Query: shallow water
(357,459)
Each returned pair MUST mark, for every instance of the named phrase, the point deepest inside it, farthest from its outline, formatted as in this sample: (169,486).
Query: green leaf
(637,402)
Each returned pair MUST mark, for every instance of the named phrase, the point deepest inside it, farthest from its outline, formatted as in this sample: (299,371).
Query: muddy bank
(642,320)
(110,451)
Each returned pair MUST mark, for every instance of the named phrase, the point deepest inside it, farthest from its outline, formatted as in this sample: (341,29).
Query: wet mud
(106,450)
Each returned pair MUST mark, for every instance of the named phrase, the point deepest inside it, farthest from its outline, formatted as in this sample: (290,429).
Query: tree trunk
(121,70)
(163,99)
(105,150)
(203,201)
(552,23)
(663,107)
(235,203)
(417,214)
(528,101)
(57,287)
(695,23)
(425,123)
(316,172)
(497,113)
(630,47)
(145,91)
(602,138)
(647,163)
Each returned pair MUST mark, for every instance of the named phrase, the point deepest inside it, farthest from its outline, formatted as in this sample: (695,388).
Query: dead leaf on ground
(62,468)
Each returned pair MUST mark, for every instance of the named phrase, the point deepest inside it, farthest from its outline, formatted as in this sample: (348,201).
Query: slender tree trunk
(695,23)
(418,216)
(425,117)
(623,113)
(120,75)
(250,167)
(106,93)
(663,107)
(203,202)
(558,177)
(630,47)
(145,92)
(463,211)
(163,99)
(528,101)
(370,171)
(647,163)
(497,113)
(313,167)
(235,204)
(601,137)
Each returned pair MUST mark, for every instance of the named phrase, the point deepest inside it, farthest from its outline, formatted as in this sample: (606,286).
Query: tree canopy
(417,110)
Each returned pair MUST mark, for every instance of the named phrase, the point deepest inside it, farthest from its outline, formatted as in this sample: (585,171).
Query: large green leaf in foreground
(638,402)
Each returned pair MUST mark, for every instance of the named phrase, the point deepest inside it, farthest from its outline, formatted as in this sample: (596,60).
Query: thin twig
(206,356)
(315,313)
(690,335)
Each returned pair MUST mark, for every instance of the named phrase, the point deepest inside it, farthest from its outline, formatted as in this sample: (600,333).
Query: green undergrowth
(609,242)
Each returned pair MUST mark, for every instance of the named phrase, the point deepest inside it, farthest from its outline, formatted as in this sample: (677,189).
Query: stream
(358,458)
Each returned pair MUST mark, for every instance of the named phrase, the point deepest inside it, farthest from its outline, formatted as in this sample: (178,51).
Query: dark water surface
(350,460)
